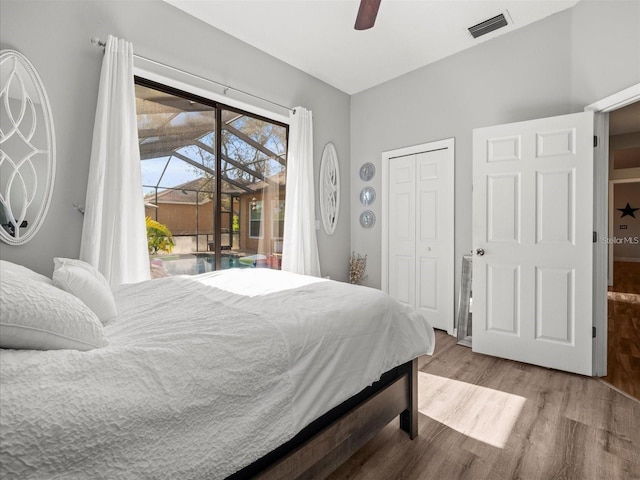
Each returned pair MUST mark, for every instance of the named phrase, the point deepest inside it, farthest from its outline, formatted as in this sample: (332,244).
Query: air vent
(488,26)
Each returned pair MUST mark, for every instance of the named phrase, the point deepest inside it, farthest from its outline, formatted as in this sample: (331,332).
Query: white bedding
(202,376)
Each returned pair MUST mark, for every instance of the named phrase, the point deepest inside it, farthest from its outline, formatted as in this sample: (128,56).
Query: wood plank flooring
(483,417)
(623,332)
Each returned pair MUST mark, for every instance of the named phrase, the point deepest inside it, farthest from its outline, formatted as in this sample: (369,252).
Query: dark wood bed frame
(329,441)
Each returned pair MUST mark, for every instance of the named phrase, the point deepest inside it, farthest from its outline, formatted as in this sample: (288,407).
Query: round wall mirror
(27,149)
(329,188)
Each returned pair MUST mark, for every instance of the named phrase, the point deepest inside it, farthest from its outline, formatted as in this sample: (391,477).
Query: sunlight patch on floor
(482,413)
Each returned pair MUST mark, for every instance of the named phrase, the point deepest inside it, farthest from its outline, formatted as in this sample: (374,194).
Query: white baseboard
(626,259)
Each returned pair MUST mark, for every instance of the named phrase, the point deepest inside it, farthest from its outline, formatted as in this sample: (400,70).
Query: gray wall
(552,67)
(54,35)
(555,66)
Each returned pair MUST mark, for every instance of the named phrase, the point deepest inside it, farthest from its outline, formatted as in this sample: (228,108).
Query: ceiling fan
(367,14)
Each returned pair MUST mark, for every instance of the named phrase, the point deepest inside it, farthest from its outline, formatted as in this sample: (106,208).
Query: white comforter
(203,375)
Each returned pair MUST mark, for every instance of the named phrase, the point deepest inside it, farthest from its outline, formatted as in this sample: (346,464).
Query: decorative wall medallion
(27,149)
(367,171)
(329,188)
(367,195)
(367,219)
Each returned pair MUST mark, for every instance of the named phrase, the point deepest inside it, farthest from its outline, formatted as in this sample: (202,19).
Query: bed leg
(409,418)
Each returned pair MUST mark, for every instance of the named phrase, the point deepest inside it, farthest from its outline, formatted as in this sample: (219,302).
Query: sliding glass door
(214,182)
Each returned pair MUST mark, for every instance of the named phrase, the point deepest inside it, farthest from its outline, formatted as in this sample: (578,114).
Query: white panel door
(532,238)
(402,229)
(420,233)
(434,236)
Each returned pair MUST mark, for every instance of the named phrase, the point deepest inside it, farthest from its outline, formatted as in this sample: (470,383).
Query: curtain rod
(96,42)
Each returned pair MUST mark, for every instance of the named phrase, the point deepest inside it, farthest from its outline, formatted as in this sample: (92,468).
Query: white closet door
(434,267)
(402,229)
(420,230)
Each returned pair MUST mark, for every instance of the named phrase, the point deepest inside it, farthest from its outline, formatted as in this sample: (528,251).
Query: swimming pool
(196,263)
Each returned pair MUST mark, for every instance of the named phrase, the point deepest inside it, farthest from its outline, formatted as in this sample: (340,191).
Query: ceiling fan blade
(367,14)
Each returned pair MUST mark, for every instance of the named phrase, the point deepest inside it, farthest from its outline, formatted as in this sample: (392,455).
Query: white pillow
(6,266)
(88,284)
(38,316)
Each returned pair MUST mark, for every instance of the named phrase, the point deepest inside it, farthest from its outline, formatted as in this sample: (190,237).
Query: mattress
(202,376)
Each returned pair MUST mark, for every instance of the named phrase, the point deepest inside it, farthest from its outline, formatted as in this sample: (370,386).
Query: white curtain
(300,246)
(114,238)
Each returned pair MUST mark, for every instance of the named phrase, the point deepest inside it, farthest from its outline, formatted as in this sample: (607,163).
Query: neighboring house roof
(184,193)
(202,189)
(278,179)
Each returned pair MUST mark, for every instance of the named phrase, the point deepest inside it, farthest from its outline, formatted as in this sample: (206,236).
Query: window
(255,219)
(278,219)
(207,172)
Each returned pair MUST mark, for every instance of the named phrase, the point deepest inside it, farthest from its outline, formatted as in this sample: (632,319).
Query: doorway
(601,109)
(602,174)
(623,296)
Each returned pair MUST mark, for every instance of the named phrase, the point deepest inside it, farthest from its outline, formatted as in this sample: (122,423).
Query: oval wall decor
(329,188)
(27,149)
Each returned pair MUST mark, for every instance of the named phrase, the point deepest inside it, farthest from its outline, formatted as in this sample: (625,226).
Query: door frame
(449,144)
(601,109)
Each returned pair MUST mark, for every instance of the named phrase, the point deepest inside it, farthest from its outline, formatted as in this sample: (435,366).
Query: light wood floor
(623,332)
(487,418)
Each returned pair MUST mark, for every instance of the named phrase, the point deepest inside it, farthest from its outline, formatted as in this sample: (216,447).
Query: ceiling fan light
(367,14)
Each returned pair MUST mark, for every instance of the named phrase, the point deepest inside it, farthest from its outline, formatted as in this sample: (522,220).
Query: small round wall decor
(367,219)
(367,195)
(367,171)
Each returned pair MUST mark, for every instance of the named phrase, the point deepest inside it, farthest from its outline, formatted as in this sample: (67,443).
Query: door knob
(480,252)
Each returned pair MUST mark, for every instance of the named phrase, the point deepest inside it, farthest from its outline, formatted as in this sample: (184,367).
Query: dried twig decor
(357,266)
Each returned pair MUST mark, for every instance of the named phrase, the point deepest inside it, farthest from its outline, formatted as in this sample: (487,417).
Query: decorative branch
(357,266)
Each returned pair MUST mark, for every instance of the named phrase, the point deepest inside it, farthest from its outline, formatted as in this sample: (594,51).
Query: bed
(239,373)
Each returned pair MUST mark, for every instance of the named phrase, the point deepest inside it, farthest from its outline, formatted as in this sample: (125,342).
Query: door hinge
(595,141)
(593,332)
(595,237)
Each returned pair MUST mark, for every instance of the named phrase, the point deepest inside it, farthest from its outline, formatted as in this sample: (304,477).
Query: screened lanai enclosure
(214,176)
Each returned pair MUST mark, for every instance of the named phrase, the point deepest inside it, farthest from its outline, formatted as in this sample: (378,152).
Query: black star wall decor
(628,211)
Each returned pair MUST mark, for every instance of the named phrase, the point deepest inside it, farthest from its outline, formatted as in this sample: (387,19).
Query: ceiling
(317,36)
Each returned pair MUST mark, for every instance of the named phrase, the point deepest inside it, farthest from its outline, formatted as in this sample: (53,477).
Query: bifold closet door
(421,234)
(402,229)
